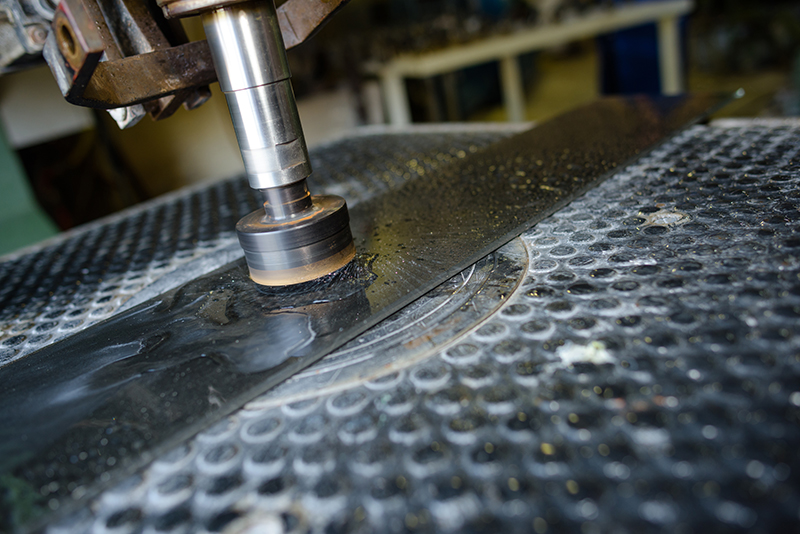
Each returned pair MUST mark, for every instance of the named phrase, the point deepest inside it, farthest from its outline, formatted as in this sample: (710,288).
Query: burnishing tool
(297,236)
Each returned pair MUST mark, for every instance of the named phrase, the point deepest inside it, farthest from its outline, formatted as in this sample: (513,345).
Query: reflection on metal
(129,388)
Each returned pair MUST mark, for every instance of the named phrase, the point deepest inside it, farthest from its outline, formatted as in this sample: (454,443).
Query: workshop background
(65,166)
(629,364)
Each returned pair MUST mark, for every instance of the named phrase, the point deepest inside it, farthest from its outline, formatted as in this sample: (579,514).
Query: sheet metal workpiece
(133,386)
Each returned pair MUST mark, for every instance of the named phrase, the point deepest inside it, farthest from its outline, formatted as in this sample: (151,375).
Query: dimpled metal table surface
(105,402)
(635,368)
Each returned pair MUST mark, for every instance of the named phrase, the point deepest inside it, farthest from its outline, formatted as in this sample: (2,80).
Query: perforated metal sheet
(645,376)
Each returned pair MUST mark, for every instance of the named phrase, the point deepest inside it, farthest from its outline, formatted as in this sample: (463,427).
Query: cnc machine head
(133,58)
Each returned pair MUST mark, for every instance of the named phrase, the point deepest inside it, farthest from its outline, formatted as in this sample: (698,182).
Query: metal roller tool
(297,237)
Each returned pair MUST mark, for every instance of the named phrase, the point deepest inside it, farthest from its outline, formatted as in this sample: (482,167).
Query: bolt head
(37,34)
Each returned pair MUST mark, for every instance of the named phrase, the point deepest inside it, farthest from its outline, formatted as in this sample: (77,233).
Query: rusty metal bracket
(80,51)
(148,76)
(301,19)
(109,54)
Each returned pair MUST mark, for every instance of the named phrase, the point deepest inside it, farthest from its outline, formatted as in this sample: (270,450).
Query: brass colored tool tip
(306,246)
(304,273)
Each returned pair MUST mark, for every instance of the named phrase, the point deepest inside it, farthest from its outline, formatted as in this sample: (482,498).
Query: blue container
(629,59)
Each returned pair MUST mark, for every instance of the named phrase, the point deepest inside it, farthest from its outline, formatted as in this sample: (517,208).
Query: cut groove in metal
(415,332)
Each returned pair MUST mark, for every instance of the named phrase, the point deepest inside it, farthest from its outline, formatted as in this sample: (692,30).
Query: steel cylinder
(253,73)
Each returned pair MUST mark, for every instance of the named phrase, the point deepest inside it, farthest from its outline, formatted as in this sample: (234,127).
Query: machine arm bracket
(93,70)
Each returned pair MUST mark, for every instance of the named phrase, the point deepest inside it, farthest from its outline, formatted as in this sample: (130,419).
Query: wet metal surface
(156,387)
(108,398)
(416,331)
(90,275)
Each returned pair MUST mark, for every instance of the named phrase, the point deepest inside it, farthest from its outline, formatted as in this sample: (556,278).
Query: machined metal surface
(401,267)
(270,136)
(247,42)
(283,203)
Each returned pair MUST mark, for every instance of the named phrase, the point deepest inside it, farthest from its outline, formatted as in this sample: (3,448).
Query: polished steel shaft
(253,72)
